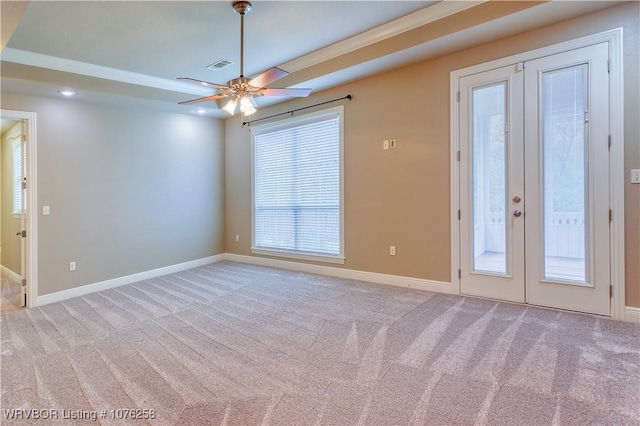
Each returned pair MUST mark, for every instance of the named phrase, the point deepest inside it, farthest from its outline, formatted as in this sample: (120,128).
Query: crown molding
(409,22)
(76,67)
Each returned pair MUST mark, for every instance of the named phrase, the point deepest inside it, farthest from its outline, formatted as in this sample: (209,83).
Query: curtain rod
(248,123)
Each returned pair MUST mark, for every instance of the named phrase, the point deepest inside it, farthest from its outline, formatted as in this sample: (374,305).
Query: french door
(534,181)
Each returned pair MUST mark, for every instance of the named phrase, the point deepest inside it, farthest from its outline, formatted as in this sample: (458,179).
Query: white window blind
(17,176)
(297,185)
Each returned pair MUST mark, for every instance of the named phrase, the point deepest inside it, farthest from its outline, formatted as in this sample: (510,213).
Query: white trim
(617,170)
(617,173)
(454,178)
(383,32)
(128,279)
(76,67)
(31,269)
(9,273)
(298,255)
(351,274)
(632,314)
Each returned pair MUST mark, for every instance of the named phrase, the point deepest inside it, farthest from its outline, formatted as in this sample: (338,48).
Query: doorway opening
(18,249)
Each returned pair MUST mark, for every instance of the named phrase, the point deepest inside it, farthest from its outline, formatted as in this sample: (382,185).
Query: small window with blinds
(297,187)
(18,161)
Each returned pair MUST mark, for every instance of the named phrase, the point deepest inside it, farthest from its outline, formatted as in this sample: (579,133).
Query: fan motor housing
(240,81)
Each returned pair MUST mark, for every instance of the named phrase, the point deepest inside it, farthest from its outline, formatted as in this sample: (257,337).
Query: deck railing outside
(564,234)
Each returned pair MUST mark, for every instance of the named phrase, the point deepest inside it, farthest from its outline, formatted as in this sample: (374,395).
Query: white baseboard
(129,279)
(12,275)
(632,314)
(372,277)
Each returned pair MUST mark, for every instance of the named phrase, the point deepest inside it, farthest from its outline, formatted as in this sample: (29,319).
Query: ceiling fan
(242,91)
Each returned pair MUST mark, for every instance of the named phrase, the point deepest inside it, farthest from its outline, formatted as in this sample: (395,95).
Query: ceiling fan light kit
(243,91)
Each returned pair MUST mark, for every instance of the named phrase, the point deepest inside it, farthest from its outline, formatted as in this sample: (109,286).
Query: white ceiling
(131,51)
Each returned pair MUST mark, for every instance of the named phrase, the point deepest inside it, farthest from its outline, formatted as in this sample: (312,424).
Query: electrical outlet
(385,144)
(237,237)
(392,250)
(72,266)
(392,144)
(635,176)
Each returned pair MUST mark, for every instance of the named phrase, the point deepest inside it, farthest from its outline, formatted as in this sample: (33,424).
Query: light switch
(45,210)
(635,176)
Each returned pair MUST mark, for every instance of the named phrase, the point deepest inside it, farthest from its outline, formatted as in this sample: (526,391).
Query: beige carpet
(235,344)
(9,294)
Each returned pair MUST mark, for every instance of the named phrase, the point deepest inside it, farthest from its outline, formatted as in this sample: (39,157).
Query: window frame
(285,124)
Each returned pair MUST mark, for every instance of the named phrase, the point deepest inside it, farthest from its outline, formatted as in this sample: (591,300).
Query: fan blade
(204,83)
(298,93)
(268,77)
(206,98)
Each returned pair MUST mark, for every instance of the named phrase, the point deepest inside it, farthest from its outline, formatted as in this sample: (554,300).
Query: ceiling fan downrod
(242,7)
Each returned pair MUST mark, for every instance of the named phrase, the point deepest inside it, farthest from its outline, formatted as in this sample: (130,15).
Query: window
(297,187)
(18,161)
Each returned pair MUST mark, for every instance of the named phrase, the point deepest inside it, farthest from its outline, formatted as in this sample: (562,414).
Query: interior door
(492,186)
(567,180)
(534,182)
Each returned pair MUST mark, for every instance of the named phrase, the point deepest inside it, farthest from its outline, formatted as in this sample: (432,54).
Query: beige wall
(10,225)
(401,197)
(130,190)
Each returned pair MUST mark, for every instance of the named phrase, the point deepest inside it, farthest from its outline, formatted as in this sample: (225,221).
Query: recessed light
(67,92)
(201,110)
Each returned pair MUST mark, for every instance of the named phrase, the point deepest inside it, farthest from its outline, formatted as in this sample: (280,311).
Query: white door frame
(616,157)
(31,270)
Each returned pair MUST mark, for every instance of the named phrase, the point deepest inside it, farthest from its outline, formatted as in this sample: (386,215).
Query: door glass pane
(564,103)
(489,177)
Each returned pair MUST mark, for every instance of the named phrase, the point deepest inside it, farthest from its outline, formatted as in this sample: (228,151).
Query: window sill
(299,255)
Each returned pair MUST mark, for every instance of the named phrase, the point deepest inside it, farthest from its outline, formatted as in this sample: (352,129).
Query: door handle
(517,213)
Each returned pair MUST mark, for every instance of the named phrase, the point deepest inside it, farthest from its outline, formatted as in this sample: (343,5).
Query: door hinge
(586,116)
(458,96)
(24,185)
(610,216)
(24,282)
(459,273)
(610,291)
(608,65)
(24,138)
(24,234)
(458,214)
(609,143)
(458,155)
